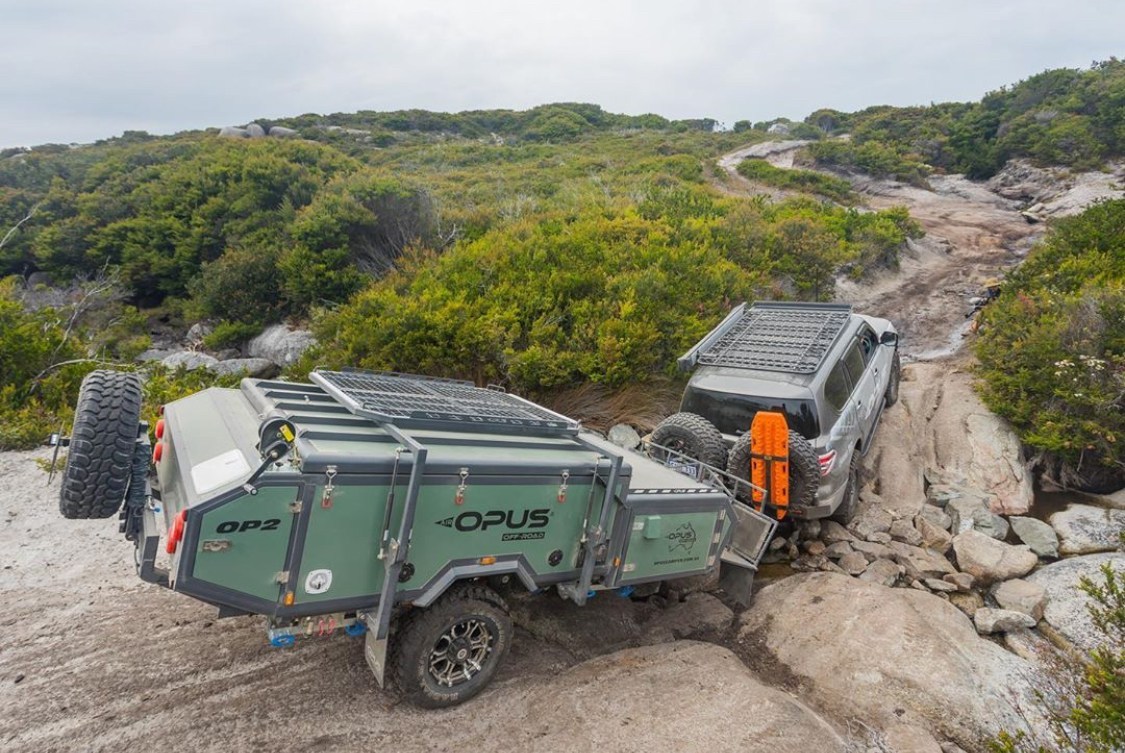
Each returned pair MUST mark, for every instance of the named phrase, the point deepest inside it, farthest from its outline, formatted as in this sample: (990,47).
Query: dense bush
(608,296)
(1058,117)
(828,186)
(1052,348)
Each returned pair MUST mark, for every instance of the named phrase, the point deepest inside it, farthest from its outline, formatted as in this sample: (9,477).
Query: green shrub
(231,335)
(828,186)
(1052,348)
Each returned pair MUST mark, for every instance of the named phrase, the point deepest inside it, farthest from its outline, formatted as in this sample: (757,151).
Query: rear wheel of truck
(850,503)
(447,653)
(102,441)
(891,396)
(804,469)
(694,436)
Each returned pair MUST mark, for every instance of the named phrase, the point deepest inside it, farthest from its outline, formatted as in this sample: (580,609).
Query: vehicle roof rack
(409,401)
(771,336)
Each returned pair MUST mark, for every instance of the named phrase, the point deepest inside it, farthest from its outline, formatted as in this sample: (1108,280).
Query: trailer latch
(329,476)
(563,486)
(459,495)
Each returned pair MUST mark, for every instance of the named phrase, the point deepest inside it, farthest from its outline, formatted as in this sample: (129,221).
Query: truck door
(865,396)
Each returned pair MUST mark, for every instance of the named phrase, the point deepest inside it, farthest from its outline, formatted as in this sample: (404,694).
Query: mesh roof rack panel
(789,337)
(424,402)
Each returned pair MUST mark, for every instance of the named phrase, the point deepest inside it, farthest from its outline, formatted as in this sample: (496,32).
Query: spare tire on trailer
(694,436)
(102,442)
(804,468)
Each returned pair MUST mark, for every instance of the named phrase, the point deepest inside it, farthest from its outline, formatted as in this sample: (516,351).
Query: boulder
(904,531)
(281,344)
(233,132)
(872,550)
(883,572)
(1066,602)
(197,332)
(887,656)
(815,546)
(259,368)
(989,560)
(153,354)
(937,516)
(853,564)
(281,132)
(188,359)
(968,602)
(972,512)
(1086,529)
(1019,595)
(932,536)
(675,696)
(869,521)
(838,550)
(921,563)
(832,532)
(700,614)
(990,621)
(1039,536)
(255,131)
(940,585)
(624,435)
(963,581)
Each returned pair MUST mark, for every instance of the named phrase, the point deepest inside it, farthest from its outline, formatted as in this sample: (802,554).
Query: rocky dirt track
(93,659)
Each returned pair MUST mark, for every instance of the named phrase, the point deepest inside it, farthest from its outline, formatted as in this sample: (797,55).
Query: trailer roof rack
(409,401)
(789,337)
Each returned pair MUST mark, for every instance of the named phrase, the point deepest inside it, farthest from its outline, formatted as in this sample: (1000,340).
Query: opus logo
(472,520)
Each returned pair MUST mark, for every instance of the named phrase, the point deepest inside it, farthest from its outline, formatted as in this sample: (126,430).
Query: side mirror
(888,338)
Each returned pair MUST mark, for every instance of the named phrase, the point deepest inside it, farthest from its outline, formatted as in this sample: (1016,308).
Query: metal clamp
(459,495)
(326,499)
(563,486)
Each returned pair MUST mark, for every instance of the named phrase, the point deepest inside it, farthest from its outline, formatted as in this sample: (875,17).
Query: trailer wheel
(849,505)
(102,441)
(804,469)
(891,396)
(447,653)
(694,436)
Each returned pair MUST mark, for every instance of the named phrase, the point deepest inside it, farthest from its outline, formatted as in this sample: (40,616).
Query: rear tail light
(176,533)
(160,429)
(157,452)
(827,460)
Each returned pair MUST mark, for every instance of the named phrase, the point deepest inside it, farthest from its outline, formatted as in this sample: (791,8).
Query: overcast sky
(78,71)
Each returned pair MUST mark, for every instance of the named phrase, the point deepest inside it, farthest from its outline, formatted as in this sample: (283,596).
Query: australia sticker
(318,581)
(683,537)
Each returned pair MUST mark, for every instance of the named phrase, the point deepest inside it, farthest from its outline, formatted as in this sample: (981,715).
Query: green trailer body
(308,504)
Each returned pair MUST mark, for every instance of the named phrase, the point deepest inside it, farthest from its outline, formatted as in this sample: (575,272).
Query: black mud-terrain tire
(849,505)
(694,436)
(468,614)
(891,396)
(102,441)
(804,468)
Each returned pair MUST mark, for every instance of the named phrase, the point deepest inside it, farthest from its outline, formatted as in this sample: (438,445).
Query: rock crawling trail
(94,659)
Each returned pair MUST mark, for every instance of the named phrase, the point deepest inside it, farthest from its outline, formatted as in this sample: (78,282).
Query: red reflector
(826,461)
(177,532)
(157,452)
(160,429)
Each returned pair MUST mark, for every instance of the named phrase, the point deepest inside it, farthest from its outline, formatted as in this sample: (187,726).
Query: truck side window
(837,387)
(867,343)
(855,361)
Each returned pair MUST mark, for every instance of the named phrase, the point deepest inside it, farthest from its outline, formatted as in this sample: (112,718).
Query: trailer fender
(473,569)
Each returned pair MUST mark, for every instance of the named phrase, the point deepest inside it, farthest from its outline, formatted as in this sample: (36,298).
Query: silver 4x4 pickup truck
(830,371)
